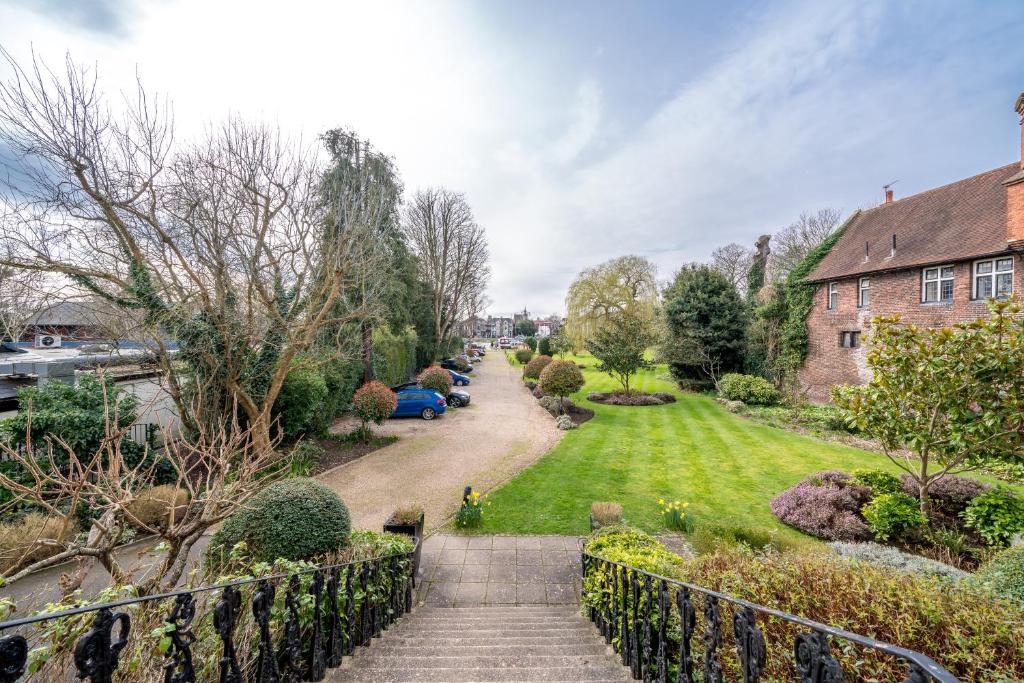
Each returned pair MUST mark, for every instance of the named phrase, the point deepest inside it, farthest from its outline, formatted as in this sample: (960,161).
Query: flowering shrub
(536,366)
(825,505)
(996,515)
(471,512)
(675,517)
(374,402)
(437,378)
(949,493)
(747,388)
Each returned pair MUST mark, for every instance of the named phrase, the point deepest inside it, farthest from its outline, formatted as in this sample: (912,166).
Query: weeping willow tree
(627,284)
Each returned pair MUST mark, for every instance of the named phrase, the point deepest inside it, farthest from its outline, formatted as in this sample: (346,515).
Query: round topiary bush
(524,355)
(747,388)
(294,519)
(561,378)
(536,366)
(437,378)
(374,402)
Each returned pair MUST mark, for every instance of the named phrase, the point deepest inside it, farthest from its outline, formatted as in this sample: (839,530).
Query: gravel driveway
(501,432)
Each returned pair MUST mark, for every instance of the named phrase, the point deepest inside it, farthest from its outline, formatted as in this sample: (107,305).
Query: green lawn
(727,467)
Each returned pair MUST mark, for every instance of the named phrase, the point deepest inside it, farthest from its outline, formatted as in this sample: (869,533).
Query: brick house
(933,258)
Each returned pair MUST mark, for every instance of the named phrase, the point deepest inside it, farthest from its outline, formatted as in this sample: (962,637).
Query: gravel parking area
(501,432)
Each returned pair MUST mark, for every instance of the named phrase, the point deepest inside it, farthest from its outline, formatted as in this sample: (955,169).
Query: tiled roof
(955,222)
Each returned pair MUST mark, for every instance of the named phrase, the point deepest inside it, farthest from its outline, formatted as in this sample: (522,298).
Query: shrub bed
(894,558)
(826,505)
(631,399)
(750,389)
(1004,574)
(294,519)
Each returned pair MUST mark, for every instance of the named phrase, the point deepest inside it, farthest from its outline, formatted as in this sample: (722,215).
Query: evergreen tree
(706,323)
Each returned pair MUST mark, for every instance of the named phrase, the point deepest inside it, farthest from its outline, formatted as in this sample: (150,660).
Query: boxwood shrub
(294,519)
(747,388)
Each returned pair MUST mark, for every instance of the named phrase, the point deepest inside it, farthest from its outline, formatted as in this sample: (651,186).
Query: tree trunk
(367,331)
(926,501)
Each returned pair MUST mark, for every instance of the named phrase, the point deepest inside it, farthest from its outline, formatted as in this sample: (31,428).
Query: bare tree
(452,253)
(23,295)
(733,261)
(218,245)
(792,244)
(217,471)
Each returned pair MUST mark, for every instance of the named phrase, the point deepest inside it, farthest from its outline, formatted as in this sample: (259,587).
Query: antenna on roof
(887,188)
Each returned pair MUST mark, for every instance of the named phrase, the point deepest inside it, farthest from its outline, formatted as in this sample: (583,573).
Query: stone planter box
(414,530)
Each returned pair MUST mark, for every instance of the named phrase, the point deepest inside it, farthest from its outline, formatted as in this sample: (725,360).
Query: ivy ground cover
(728,468)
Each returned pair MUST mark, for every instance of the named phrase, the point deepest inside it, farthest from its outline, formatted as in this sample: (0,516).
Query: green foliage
(893,515)
(879,481)
(996,515)
(301,399)
(560,344)
(954,397)
(797,303)
(341,377)
(294,519)
(531,343)
(561,378)
(632,547)
(764,335)
(437,378)
(747,388)
(620,344)
(706,321)
(523,355)
(536,366)
(374,402)
(525,327)
(394,355)
(677,516)
(471,511)
(304,458)
(456,345)
(544,346)
(709,538)
(1004,574)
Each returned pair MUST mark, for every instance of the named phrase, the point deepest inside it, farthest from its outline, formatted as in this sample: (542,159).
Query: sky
(581,131)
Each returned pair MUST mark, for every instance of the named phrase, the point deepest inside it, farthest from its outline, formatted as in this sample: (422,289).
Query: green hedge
(747,388)
(293,519)
(394,355)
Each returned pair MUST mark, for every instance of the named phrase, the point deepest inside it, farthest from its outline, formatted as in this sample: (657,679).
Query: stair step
(573,674)
(398,639)
(473,622)
(579,630)
(472,661)
(491,649)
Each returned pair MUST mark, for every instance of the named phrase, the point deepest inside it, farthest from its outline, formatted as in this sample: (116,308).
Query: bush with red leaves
(437,378)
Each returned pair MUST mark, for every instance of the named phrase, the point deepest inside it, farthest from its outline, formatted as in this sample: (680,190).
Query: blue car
(458,379)
(417,401)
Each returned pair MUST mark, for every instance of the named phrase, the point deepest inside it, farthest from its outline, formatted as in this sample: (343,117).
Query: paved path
(501,432)
(461,571)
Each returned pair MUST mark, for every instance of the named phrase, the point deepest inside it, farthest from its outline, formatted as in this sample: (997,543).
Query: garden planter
(414,530)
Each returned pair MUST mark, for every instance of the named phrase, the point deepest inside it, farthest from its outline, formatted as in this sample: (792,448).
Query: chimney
(1015,191)
(888,191)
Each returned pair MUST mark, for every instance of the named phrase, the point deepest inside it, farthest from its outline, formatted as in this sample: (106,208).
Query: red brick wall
(891,293)
(1015,208)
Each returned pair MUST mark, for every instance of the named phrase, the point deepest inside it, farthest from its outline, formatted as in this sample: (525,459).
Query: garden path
(502,431)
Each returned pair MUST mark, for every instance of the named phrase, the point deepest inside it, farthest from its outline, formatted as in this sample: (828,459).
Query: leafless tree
(218,470)
(733,261)
(790,245)
(219,245)
(452,253)
(23,295)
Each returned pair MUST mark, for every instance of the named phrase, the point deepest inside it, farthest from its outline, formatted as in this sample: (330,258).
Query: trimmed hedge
(300,401)
(561,378)
(294,519)
(394,355)
(747,388)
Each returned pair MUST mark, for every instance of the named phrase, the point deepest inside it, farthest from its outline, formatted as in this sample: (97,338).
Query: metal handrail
(327,643)
(919,664)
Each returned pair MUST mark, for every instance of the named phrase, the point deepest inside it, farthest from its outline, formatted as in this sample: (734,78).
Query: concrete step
(401,661)
(399,639)
(578,630)
(569,674)
(491,649)
(438,624)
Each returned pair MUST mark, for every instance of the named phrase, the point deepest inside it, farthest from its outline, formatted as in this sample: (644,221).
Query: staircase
(544,643)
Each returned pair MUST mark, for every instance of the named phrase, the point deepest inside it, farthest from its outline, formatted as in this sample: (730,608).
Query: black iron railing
(651,621)
(326,612)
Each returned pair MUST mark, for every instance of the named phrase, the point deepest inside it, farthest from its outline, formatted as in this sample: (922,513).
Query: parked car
(504,343)
(458,378)
(452,364)
(414,400)
(458,398)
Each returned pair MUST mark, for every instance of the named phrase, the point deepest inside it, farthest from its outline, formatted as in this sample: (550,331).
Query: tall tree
(733,261)
(452,254)
(623,284)
(795,242)
(219,245)
(706,325)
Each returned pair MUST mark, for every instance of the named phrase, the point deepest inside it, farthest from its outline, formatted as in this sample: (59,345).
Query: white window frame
(991,275)
(832,290)
(863,285)
(938,280)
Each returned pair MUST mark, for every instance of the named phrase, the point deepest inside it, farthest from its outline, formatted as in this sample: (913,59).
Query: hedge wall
(394,355)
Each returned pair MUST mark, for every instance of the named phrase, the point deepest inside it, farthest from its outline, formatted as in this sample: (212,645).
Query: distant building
(70,320)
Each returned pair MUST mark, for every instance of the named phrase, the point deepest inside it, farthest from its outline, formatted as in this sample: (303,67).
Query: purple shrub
(825,505)
(950,493)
